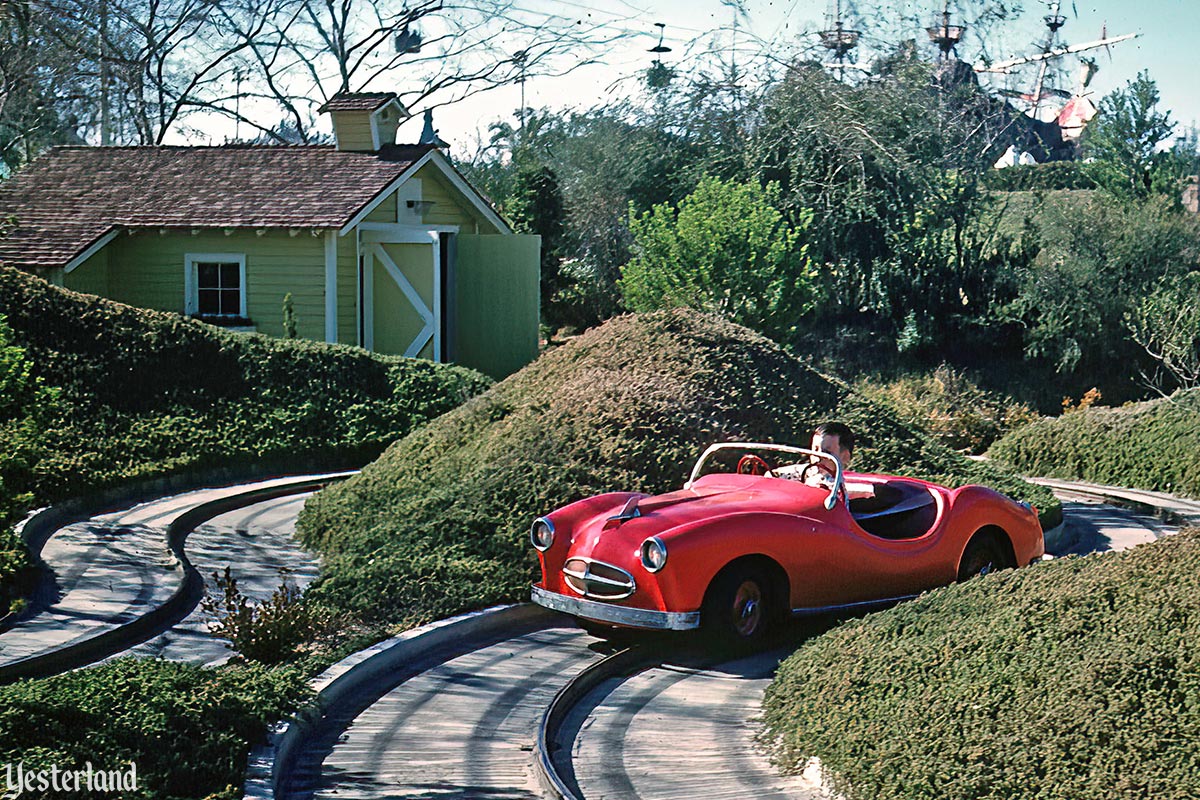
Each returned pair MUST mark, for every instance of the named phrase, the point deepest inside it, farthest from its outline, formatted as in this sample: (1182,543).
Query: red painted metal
(829,559)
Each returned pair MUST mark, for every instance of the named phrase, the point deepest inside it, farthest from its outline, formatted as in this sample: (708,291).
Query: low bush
(1150,445)
(271,631)
(1073,679)
(951,407)
(185,727)
(439,523)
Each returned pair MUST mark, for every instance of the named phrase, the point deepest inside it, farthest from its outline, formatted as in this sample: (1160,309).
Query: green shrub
(951,407)
(439,523)
(1150,445)
(1075,679)
(24,404)
(727,250)
(271,631)
(185,727)
(146,393)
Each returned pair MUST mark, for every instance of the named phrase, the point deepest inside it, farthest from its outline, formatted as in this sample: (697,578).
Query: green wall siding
(352,129)
(384,212)
(147,270)
(450,208)
(347,288)
(91,276)
(496,303)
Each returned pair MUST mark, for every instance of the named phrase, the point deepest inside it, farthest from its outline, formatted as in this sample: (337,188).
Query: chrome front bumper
(617,615)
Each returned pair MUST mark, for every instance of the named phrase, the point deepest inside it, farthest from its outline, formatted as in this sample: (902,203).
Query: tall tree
(1127,138)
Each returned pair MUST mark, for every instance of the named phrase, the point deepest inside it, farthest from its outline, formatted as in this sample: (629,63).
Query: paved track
(461,725)
(258,543)
(114,568)
(106,572)
(677,732)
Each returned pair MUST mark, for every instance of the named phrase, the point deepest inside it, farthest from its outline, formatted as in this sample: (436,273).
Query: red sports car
(762,530)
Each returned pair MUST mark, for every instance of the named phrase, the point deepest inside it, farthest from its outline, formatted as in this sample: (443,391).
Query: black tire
(984,554)
(739,608)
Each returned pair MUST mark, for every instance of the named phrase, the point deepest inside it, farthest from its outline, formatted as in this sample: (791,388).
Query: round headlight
(654,554)
(542,534)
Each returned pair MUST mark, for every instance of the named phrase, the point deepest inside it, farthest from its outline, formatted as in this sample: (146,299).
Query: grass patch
(185,727)
(439,523)
(1079,679)
(1149,445)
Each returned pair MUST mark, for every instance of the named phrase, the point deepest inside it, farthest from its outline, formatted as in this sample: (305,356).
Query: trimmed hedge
(185,727)
(146,393)
(439,523)
(1150,445)
(1055,175)
(1079,678)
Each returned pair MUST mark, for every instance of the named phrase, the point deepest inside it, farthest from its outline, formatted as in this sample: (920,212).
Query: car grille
(598,580)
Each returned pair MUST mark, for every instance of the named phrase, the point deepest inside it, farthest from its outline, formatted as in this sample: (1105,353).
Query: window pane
(208,276)
(210,301)
(230,276)
(231,301)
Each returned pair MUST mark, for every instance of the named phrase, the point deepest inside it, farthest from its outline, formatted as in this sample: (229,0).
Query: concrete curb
(1170,509)
(269,766)
(620,664)
(181,602)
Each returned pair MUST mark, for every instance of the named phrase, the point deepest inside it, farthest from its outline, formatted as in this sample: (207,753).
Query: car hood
(623,527)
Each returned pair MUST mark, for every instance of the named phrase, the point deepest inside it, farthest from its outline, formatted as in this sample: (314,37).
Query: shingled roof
(360,101)
(70,197)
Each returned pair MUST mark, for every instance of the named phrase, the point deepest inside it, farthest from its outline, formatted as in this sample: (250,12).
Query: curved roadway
(258,543)
(463,725)
(108,571)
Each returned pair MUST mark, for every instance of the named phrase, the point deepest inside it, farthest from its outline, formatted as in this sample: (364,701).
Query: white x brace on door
(375,252)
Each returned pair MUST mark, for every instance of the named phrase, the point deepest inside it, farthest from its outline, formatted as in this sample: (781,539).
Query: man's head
(836,439)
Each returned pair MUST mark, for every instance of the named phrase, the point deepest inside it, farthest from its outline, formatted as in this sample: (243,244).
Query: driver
(836,439)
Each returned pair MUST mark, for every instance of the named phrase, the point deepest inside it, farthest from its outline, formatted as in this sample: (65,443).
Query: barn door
(404,283)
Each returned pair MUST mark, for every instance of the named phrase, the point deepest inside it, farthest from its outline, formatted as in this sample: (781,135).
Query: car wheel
(983,555)
(739,608)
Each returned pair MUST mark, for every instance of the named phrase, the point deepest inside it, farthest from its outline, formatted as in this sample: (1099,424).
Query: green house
(380,245)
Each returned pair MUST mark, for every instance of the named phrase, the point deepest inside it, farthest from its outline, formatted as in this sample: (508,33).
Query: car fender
(698,551)
(974,508)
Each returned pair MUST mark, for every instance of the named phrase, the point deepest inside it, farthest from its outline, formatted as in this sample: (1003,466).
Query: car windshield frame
(838,478)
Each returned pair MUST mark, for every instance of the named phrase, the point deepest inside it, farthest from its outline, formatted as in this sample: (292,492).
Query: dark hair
(840,430)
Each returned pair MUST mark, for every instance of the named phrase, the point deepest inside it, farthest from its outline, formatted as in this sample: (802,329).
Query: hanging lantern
(659,75)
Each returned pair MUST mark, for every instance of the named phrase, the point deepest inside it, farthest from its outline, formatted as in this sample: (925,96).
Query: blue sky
(1167,48)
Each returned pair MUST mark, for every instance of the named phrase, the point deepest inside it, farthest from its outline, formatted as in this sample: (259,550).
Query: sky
(1167,47)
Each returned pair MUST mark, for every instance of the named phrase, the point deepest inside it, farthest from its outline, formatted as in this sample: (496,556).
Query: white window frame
(191,279)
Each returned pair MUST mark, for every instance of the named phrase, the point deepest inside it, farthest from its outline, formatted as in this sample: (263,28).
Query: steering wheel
(752,465)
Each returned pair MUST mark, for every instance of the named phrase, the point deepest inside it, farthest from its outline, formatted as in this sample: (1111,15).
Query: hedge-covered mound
(1151,445)
(95,394)
(185,727)
(145,393)
(1079,678)
(439,523)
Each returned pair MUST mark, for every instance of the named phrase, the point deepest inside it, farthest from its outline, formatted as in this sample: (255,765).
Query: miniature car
(745,543)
